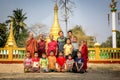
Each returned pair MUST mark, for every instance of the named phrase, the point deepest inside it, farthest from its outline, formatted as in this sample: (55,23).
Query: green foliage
(108,42)
(3,34)
(80,34)
(18,18)
(22,38)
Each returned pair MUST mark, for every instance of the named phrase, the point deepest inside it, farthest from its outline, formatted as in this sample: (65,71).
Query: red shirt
(61,61)
(35,60)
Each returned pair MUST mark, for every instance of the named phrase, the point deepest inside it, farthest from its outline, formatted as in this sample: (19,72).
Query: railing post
(97,51)
(10,55)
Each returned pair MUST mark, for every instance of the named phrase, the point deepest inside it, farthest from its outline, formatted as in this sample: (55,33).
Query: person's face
(69,57)
(41,36)
(69,34)
(31,35)
(79,55)
(28,55)
(82,42)
(61,34)
(51,54)
(68,41)
(74,39)
(51,37)
(43,56)
(36,55)
(60,54)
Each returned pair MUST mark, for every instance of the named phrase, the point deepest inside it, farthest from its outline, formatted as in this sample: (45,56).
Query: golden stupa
(11,41)
(56,26)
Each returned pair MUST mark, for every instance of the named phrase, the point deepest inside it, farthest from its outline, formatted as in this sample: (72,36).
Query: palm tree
(18,22)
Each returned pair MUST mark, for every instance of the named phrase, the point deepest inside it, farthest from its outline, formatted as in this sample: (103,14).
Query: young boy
(44,63)
(75,45)
(35,63)
(60,63)
(78,65)
(69,63)
(52,62)
(27,63)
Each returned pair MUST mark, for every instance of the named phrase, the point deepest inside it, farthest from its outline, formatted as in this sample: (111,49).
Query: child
(44,63)
(78,65)
(68,48)
(27,63)
(60,63)
(35,63)
(69,63)
(75,45)
(52,62)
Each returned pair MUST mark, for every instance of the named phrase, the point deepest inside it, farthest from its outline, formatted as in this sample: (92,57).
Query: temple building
(55,26)
(11,40)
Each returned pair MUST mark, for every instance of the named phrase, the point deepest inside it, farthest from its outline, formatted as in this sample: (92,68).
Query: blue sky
(90,14)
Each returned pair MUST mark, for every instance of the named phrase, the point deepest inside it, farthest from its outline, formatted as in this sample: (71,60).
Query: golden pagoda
(56,26)
(11,41)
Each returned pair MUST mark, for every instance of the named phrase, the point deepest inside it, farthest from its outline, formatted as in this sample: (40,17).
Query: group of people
(63,54)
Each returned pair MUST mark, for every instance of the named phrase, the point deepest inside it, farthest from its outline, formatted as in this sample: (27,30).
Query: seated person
(78,65)
(52,62)
(27,63)
(44,63)
(60,62)
(69,63)
(35,64)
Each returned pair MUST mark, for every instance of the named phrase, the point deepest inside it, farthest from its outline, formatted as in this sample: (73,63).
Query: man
(41,44)
(31,45)
(51,46)
(61,41)
(70,35)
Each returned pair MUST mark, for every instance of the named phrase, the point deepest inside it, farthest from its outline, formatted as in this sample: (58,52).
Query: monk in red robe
(84,50)
(31,45)
(52,46)
(41,46)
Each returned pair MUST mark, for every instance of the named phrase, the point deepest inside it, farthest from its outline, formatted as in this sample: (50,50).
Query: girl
(68,48)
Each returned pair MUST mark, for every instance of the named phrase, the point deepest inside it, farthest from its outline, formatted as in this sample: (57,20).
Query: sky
(90,14)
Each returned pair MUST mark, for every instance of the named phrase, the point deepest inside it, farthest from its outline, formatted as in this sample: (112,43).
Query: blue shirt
(79,60)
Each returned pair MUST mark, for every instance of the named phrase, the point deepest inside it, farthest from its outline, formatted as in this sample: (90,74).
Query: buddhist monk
(41,46)
(51,46)
(31,45)
(84,50)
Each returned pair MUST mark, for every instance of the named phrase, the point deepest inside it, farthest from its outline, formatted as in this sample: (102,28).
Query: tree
(81,35)
(18,23)
(108,42)
(3,34)
(67,9)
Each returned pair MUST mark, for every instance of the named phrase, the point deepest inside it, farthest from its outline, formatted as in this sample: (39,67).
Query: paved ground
(95,72)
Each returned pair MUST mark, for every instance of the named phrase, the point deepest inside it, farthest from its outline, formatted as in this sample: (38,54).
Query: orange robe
(31,46)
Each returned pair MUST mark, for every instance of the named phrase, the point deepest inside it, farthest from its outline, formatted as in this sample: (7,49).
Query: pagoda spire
(56,26)
(11,41)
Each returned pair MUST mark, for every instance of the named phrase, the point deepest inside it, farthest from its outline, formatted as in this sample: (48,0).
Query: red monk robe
(84,51)
(31,46)
(52,46)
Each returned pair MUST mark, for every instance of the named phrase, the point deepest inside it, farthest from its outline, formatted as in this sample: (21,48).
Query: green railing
(95,54)
(19,53)
(4,53)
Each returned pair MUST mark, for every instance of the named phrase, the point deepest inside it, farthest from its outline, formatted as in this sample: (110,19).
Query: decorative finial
(113,5)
